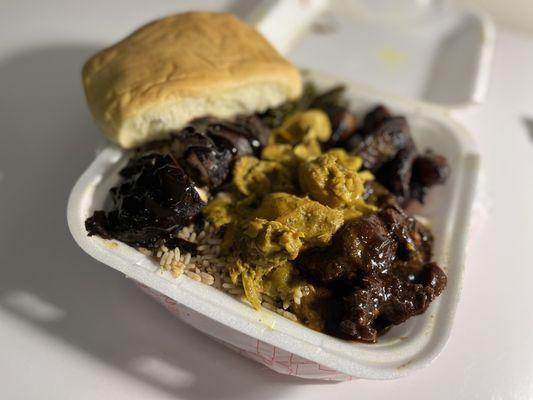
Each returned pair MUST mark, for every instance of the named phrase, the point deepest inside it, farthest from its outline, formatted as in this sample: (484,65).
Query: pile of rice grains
(300,210)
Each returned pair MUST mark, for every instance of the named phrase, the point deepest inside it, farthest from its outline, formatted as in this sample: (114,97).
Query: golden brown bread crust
(198,61)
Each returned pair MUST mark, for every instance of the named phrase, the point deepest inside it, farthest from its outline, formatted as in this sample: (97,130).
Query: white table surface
(71,328)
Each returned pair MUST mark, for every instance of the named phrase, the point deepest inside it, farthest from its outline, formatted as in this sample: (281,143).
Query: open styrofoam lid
(419,49)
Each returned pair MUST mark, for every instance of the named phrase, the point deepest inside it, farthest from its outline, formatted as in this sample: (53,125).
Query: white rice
(208,267)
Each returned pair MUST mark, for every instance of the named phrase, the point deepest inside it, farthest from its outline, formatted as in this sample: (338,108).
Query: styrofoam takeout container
(428,50)
(273,340)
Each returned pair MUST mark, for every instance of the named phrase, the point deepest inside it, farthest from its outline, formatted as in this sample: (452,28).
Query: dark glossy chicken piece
(384,300)
(208,147)
(343,126)
(382,146)
(378,269)
(396,174)
(248,135)
(414,240)
(154,200)
(206,163)
(207,166)
(361,247)
(227,138)
(385,144)
(429,169)
(373,119)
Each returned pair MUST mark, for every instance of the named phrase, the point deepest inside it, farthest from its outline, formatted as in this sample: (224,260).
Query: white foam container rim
(286,22)
(391,358)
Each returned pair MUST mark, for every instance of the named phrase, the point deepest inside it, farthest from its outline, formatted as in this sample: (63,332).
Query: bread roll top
(182,67)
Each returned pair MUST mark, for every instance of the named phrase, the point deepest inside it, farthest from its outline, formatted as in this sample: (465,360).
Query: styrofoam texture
(404,348)
(273,357)
(417,49)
